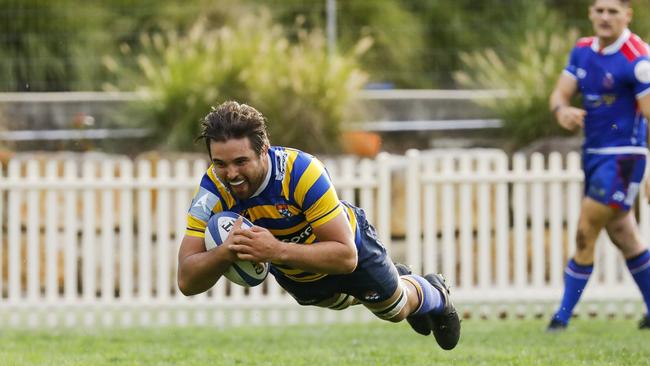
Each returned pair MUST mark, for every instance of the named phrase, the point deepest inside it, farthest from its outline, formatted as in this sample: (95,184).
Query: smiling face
(609,19)
(238,166)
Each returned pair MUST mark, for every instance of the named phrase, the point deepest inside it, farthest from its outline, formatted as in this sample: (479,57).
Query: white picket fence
(94,241)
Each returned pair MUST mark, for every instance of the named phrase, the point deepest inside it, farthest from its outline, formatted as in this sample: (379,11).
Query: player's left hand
(256,244)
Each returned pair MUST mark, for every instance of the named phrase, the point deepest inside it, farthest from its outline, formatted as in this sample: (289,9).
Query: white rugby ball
(243,273)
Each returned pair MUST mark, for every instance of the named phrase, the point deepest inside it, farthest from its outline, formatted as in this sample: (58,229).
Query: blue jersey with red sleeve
(610,80)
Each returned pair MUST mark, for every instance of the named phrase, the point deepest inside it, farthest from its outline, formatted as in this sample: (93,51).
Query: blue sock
(430,298)
(575,280)
(639,267)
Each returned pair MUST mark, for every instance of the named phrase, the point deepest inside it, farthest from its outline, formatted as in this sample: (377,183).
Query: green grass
(491,342)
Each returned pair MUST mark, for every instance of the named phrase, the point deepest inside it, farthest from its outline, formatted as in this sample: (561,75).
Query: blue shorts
(374,280)
(613,180)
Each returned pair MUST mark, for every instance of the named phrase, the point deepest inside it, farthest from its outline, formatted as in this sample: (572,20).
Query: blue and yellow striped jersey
(298,196)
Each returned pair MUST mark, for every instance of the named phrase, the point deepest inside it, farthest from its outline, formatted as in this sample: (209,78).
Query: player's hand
(571,118)
(230,240)
(256,244)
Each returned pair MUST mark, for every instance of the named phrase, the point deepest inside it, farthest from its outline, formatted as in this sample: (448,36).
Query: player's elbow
(185,287)
(349,262)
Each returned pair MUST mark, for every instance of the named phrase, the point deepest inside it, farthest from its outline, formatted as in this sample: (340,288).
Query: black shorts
(374,280)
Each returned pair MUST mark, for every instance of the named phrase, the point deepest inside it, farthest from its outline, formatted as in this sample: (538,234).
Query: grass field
(493,342)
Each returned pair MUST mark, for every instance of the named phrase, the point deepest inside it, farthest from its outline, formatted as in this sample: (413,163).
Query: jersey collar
(614,47)
(266,179)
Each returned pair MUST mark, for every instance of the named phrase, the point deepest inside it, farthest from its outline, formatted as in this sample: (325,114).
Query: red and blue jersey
(610,80)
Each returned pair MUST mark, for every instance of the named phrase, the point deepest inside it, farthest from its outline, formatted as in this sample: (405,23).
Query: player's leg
(593,218)
(623,229)
(322,293)
(424,301)
(624,233)
(444,322)
(378,286)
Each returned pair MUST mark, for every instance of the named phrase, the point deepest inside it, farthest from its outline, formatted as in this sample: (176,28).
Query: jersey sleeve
(314,191)
(571,68)
(206,200)
(642,76)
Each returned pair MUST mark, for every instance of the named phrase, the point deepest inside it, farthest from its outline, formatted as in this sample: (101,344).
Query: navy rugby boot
(446,324)
(556,326)
(645,322)
(419,323)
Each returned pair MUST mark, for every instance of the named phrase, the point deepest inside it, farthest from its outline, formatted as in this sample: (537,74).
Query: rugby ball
(243,273)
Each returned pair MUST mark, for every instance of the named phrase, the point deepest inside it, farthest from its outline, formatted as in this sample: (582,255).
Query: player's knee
(583,240)
(393,311)
(344,301)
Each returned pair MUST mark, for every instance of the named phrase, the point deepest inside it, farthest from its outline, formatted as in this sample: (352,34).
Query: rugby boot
(420,323)
(556,326)
(645,322)
(445,325)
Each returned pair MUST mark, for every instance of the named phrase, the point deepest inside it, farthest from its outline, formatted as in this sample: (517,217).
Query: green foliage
(47,45)
(400,43)
(528,78)
(304,94)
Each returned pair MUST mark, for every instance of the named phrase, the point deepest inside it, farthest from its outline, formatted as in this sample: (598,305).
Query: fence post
(555,217)
(33,241)
(126,231)
(383,165)
(412,225)
(520,215)
(52,237)
(502,224)
(466,225)
(108,233)
(537,217)
(448,207)
(89,245)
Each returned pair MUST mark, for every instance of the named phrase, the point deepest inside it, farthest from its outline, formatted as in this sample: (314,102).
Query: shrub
(528,78)
(304,94)
(397,55)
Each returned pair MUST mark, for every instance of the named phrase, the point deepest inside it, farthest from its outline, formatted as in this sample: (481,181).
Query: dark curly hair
(232,120)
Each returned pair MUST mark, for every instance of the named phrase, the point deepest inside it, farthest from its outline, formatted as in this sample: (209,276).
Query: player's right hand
(230,240)
(571,118)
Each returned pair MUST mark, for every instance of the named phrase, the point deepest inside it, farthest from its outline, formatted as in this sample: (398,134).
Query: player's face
(609,19)
(238,167)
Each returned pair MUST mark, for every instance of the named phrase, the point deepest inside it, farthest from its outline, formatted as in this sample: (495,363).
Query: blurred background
(100,102)
(125,76)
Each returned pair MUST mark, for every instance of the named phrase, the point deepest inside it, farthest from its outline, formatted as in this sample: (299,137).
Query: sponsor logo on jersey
(596,192)
(642,71)
(581,73)
(593,100)
(280,164)
(609,99)
(283,209)
(608,81)
(300,237)
(202,202)
(618,196)
(371,295)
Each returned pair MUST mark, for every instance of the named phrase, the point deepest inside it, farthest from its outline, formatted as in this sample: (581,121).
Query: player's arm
(333,253)
(567,116)
(198,269)
(644,106)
